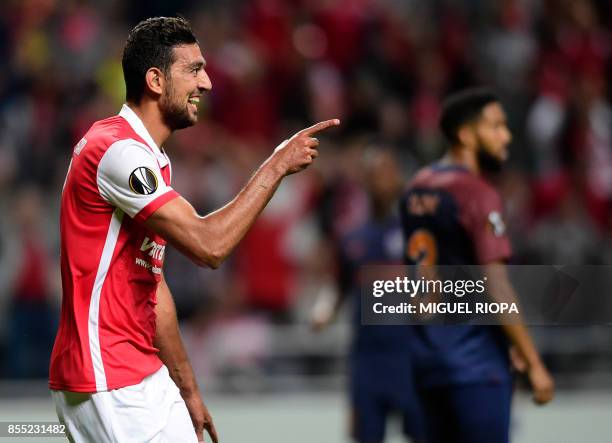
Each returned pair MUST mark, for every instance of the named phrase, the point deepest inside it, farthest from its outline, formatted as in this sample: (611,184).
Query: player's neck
(464,157)
(152,119)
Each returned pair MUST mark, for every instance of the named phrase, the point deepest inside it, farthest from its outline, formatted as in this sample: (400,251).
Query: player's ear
(155,80)
(466,136)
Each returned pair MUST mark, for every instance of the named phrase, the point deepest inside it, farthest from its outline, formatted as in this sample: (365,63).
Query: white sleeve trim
(129,176)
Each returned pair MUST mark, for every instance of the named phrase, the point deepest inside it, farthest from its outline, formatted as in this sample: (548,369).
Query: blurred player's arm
(528,359)
(209,240)
(332,295)
(172,353)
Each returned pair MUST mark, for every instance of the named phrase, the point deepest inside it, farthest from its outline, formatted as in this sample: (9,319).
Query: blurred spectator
(580,240)
(31,313)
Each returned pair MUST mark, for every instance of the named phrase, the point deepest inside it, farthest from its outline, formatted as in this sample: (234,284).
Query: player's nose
(204,83)
(507,136)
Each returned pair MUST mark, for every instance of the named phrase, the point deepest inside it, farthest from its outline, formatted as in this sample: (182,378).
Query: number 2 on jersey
(421,248)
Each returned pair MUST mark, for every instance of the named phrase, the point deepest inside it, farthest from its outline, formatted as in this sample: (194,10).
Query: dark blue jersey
(374,243)
(381,361)
(450,216)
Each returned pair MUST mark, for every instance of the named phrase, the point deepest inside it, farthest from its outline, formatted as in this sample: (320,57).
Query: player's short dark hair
(464,107)
(150,44)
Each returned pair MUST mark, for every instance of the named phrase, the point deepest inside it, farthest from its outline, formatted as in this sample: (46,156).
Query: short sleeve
(488,229)
(129,178)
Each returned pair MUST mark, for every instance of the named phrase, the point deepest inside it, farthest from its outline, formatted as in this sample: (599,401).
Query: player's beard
(175,114)
(487,162)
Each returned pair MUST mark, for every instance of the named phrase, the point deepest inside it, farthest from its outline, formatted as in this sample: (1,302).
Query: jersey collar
(140,129)
(444,167)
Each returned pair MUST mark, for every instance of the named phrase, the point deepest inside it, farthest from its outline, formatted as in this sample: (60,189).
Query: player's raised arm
(209,240)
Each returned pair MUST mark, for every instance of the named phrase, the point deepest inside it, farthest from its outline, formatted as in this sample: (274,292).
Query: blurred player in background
(119,371)
(381,380)
(452,216)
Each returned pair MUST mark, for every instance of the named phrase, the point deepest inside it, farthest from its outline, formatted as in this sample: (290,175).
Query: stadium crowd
(382,66)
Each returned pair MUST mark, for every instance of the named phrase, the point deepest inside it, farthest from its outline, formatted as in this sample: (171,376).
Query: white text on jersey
(156,251)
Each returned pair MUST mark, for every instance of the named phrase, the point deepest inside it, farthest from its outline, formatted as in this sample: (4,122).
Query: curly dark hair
(463,107)
(150,44)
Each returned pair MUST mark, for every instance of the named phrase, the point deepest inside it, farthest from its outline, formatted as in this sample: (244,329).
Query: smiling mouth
(194,100)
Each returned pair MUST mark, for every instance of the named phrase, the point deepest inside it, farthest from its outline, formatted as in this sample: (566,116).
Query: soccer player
(119,371)
(452,216)
(380,363)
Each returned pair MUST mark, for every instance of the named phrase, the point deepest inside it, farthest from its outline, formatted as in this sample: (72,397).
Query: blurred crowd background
(383,67)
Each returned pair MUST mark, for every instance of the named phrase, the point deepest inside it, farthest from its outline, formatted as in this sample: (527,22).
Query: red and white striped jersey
(111,264)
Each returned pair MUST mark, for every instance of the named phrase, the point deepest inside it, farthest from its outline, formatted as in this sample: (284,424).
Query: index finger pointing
(319,127)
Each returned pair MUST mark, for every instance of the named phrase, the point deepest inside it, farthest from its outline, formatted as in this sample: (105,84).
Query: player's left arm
(172,353)
(500,290)
(492,246)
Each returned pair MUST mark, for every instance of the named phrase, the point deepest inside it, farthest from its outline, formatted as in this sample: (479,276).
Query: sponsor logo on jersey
(143,181)
(145,264)
(155,250)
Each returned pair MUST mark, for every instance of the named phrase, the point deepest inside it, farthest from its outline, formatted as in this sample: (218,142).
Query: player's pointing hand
(318,127)
(298,152)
